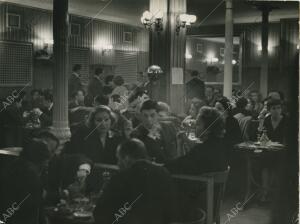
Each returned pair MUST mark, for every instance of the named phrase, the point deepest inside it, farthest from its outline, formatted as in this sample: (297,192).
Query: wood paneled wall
(36,28)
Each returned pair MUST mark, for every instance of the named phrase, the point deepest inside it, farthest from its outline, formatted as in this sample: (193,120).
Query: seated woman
(233,133)
(275,124)
(209,156)
(96,140)
(276,128)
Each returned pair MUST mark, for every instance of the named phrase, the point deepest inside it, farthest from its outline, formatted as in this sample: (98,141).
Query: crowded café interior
(149,111)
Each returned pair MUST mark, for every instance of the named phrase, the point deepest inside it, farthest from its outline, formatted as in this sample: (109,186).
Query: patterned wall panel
(80,56)
(19,72)
(126,65)
(95,35)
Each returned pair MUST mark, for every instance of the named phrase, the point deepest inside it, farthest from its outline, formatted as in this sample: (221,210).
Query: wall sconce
(188,55)
(184,20)
(148,19)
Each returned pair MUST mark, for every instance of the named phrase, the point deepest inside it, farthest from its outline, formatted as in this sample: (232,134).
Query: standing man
(95,87)
(74,81)
(195,87)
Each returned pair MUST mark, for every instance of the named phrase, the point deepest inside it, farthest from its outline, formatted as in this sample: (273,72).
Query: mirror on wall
(206,55)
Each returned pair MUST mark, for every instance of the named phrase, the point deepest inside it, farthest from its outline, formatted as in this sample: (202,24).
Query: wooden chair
(210,180)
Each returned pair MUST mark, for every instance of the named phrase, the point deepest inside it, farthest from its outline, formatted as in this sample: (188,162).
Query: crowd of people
(119,124)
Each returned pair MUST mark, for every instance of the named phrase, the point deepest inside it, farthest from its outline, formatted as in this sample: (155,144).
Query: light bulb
(159,15)
(183,17)
(147,15)
(192,18)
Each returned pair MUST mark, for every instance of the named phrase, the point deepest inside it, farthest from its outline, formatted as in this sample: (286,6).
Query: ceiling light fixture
(148,19)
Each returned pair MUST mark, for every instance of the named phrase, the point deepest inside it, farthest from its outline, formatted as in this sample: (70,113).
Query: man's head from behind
(76,68)
(129,152)
(98,71)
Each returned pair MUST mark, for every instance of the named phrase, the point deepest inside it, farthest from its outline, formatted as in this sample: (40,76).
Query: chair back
(211,180)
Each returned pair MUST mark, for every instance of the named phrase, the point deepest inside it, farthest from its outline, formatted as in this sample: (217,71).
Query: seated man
(45,114)
(22,184)
(140,193)
(158,137)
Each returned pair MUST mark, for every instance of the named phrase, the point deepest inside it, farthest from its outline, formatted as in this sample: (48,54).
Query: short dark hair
(76,67)
(102,99)
(241,103)
(98,71)
(214,124)
(194,73)
(48,96)
(36,151)
(47,134)
(118,80)
(225,103)
(273,102)
(108,79)
(133,148)
(149,105)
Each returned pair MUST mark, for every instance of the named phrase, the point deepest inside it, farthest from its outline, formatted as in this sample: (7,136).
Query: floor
(254,214)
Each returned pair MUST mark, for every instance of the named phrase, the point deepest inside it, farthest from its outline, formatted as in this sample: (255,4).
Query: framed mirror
(206,55)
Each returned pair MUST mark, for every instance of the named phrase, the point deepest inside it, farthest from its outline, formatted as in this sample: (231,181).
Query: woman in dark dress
(96,140)
(276,123)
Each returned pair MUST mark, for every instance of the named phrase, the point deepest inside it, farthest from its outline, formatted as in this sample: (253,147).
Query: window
(13,20)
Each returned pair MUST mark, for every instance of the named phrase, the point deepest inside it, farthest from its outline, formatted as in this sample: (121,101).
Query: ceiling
(130,11)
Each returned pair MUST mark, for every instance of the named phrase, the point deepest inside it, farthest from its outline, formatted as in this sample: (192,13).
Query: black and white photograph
(149,111)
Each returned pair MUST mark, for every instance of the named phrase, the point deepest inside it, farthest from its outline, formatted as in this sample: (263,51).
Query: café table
(253,151)
(71,214)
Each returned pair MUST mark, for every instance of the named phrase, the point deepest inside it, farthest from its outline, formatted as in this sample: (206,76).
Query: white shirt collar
(76,74)
(50,107)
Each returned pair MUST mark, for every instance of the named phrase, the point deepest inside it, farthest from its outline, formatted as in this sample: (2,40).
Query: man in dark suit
(159,137)
(95,87)
(21,185)
(74,81)
(46,113)
(140,193)
(195,87)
